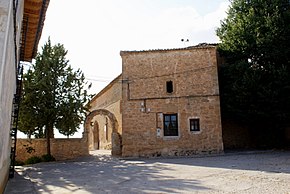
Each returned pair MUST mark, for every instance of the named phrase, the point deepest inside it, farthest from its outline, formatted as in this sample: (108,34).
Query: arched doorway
(92,130)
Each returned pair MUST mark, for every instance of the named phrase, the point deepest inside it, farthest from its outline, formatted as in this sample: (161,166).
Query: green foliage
(37,159)
(47,158)
(255,80)
(33,160)
(54,95)
(257,30)
(19,163)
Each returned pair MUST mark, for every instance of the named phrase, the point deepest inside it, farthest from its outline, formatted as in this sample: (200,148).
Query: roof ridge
(200,45)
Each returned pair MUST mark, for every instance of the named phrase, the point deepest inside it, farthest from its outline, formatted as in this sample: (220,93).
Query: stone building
(165,103)
(105,117)
(21,24)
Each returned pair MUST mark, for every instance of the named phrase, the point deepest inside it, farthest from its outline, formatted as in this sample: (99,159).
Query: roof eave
(34,14)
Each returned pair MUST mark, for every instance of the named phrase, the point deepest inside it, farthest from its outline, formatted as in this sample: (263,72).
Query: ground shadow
(23,182)
(272,161)
(104,174)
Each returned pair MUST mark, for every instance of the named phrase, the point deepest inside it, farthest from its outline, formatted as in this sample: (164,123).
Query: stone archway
(116,137)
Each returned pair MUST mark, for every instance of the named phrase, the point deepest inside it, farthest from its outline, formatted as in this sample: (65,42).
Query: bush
(37,159)
(47,158)
(18,163)
(33,160)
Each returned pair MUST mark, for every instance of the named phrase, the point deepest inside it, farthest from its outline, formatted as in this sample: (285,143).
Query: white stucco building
(21,23)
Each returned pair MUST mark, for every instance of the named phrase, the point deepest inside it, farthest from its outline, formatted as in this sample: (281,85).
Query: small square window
(169,86)
(194,124)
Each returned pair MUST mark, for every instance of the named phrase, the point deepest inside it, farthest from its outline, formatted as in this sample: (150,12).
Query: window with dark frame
(170,125)
(194,124)
(169,86)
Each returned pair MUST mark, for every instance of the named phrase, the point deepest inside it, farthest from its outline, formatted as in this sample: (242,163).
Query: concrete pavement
(21,183)
(267,172)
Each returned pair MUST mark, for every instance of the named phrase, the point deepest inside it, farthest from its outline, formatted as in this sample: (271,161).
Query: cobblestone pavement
(243,172)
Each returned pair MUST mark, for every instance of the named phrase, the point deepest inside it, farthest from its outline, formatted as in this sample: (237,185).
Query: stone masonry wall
(193,72)
(100,134)
(101,130)
(110,98)
(61,149)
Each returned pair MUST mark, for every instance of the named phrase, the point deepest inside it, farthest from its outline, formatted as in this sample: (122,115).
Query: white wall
(7,80)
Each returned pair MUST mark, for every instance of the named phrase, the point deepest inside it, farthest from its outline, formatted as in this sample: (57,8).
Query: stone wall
(61,149)
(109,99)
(7,80)
(193,72)
(100,133)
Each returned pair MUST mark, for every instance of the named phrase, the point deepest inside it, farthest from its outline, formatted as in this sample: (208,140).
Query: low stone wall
(61,149)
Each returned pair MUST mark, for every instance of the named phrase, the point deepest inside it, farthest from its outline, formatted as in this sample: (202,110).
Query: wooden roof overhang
(32,25)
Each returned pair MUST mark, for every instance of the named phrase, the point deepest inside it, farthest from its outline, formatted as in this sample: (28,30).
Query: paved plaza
(243,172)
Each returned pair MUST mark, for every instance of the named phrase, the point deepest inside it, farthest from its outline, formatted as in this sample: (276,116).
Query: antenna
(184,41)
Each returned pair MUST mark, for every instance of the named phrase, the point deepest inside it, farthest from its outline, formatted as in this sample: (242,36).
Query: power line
(156,76)
(98,80)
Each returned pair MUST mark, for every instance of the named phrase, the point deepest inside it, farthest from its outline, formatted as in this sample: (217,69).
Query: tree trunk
(47,141)
(51,134)
(48,134)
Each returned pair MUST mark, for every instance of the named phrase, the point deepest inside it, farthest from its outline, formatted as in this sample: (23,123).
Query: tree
(255,80)
(53,95)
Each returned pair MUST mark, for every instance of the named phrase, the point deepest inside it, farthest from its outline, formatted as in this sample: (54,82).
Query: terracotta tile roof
(33,21)
(199,46)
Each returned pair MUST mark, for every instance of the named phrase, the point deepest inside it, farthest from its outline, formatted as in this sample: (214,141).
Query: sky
(95,31)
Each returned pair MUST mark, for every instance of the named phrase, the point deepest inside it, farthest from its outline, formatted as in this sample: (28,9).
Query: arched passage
(116,137)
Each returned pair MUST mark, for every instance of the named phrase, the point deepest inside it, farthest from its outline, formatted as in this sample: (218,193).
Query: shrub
(33,160)
(47,158)
(18,163)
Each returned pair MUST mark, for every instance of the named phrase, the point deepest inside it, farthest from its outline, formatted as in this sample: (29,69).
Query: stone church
(165,103)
